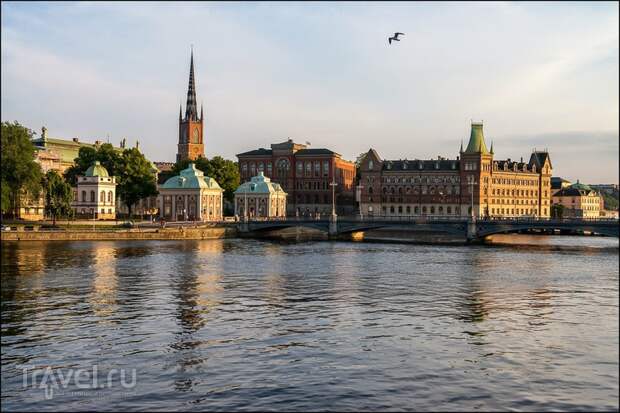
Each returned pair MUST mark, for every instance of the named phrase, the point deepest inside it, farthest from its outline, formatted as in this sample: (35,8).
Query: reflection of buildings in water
(105,281)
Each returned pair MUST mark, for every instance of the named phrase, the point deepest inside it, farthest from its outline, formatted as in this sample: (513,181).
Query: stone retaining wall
(113,235)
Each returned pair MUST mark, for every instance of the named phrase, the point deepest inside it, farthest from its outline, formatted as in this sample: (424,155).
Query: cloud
(321,72)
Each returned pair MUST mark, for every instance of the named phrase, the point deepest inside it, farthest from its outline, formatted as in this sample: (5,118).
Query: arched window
(102,196)
(83,197)
(92,196)
(110,196)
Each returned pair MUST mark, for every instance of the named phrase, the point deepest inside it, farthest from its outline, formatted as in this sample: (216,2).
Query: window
(83,198)
(308,169)
(92,196)
(102,196)
(261,167)
(269,169)
(244,168)
(371,164)
(325,168)
(110,196)
(253,169)
(408,209)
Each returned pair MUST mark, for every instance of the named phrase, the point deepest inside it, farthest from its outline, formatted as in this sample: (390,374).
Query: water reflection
(227,324)
(105,282)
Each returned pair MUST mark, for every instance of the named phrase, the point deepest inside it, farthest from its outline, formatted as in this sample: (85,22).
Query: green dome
(476,140)
(97,169)
(191,178)
(259,184)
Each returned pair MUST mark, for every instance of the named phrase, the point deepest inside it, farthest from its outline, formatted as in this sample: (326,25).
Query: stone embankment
(211,232)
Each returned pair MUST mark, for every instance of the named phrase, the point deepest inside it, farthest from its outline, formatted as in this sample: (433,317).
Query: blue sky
(539,75)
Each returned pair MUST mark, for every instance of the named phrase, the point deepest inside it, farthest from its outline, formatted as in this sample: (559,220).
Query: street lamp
(333,184)
(359,199)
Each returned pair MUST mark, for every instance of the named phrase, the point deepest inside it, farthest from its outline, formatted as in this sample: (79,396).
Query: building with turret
(191,144)
(473,183)
(95,194)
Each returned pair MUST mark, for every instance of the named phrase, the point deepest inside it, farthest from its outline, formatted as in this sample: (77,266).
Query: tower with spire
(191,144)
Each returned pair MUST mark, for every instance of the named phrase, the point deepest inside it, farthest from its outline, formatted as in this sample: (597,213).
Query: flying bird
(395,37)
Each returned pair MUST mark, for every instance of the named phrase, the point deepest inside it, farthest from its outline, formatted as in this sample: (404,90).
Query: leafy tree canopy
(20,174)
(136,179)
(58,195)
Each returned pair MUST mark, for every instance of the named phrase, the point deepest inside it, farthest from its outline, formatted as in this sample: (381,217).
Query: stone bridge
(474,229)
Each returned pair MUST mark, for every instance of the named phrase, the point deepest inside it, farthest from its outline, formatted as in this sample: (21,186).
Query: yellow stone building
(451,187)
(579,201)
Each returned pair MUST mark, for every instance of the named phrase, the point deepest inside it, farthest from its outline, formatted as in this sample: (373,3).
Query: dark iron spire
(191,112)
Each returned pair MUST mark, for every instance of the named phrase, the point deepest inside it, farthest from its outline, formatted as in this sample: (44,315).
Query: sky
(539,75)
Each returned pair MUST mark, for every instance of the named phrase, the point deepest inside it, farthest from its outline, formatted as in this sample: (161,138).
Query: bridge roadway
(474,229)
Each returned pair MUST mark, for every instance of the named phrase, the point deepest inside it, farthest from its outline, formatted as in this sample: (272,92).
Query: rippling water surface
(245,324)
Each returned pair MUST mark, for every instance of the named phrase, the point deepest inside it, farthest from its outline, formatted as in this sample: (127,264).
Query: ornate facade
(191,196)
(472,183)
(579,201)
(305,174)
(95,194)
(191,144)
(260,198)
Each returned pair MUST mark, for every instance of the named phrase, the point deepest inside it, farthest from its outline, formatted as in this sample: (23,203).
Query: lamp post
(333,184)
(359,199)
(471,190)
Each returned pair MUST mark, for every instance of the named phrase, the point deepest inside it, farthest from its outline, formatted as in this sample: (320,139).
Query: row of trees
(23,179)
(134,173)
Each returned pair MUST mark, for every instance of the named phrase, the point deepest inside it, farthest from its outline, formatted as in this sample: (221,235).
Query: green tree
(58,196)
(136,178)
(226,173)
(109,157)
(557,211)
(20,174)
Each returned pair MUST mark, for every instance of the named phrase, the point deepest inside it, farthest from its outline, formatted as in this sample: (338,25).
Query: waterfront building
(260,198)
(59,154)
(191,143)
(450,187)
(305,174)
(191,196)
(579,201)
(95,195)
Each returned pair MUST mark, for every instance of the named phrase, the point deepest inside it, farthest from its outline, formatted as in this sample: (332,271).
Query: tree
(557,211)
(109,157)
(226,173)
(20,174)
(136,178)
(358,164)
(58,196)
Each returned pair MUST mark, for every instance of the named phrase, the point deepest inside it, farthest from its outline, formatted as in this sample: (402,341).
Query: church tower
(191,144)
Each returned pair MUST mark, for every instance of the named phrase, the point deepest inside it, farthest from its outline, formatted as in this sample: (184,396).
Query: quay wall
(113,235)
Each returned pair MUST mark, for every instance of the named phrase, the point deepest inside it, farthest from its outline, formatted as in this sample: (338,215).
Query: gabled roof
(539,158)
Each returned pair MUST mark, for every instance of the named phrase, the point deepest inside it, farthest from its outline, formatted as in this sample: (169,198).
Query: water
(253,325)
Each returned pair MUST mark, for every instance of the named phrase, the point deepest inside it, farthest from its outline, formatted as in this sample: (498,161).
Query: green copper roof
(259,184)
(476,140)
(191,178)
(96,169)
(581,186)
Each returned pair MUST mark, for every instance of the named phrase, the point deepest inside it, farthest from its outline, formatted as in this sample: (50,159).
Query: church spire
(180,111)
(190,106)
(201,111)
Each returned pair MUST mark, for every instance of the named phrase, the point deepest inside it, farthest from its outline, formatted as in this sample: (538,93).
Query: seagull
(395,38)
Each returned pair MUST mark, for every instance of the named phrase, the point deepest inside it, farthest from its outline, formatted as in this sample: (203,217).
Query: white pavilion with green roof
(96,194)
(260,198)
(191,196)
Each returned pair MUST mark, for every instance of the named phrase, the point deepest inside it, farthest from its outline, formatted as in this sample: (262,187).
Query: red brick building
(305,174)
